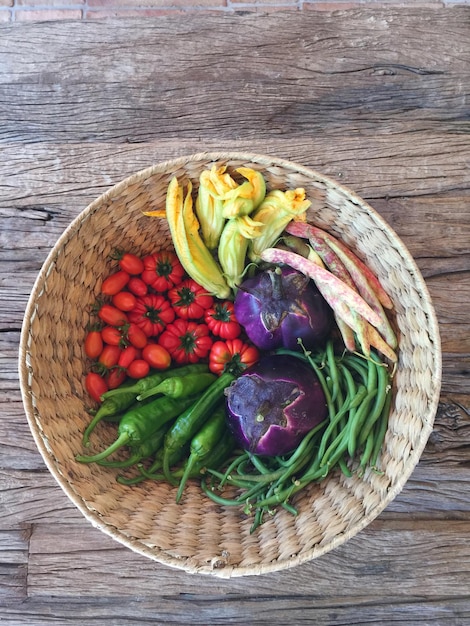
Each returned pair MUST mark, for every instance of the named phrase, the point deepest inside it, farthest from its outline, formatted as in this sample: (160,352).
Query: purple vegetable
(274,404)
(278,306)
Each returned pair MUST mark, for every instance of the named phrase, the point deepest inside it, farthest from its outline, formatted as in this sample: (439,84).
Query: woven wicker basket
(198,536)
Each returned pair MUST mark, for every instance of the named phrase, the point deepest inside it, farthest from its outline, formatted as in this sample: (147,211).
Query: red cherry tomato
(115,283)
(137,286)
(110,356)
(124,301)
(138,369)
(128,354)
(111,335)
(136,336)
(93,344)
(156,356)
(131,264)
(111,315)
(116,377)
(95,385)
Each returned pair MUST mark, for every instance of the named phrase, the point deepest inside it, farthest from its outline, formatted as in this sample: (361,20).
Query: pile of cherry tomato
(151,315)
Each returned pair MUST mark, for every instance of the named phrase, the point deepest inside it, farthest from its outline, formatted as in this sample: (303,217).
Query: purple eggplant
(278,306)
(274,404)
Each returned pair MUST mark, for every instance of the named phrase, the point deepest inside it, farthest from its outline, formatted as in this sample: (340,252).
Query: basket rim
(33,418)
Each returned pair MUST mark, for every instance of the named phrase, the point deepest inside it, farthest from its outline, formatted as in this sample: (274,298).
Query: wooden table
(375,99)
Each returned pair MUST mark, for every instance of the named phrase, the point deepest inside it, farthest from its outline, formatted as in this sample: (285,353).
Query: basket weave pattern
(198,535)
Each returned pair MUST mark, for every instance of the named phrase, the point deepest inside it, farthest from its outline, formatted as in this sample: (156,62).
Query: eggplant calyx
(281,297)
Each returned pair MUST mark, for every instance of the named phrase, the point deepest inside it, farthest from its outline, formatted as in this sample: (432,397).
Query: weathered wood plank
(181,68)
(55,177)
(383,556)
(14,562)
(236,609)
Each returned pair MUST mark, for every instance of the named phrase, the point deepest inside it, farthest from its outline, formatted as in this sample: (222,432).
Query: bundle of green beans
(358,396)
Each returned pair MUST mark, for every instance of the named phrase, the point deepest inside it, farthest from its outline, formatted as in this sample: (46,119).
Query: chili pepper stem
(187,472)
(91,427)
(116,445)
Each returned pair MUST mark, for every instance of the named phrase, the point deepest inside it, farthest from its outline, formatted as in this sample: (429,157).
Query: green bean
(218,499)
(356,394)
(334,374)
(258,464)
(344,468)
(367,451)
(383,382)
(381,430)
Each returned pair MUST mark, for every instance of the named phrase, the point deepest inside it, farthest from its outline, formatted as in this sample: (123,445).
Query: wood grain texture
(375,99)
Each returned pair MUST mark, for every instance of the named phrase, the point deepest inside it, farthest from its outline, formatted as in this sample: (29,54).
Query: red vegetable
(93,344)
(137,286)
(138,369)
(115,283)
(152,313)
(131,264)
(190,300)
(111,315)
(109,357)
(232,355)
(95,385)
(116,377)
(111,335)
(136,336)
(128,354)
(186,341)
(156,356)
(221,320)
(124,301)
(162,270)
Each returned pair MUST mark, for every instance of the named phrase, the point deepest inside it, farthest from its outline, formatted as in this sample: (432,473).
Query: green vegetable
(178,386)
(202,445)
(141,422)
(143,384)
(110,407)
(142,451)
(189,422)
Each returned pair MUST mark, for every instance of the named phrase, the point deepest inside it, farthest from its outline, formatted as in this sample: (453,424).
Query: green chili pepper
(151,472)
(191,420)
(110,407)
(154,379)
(178,386)
(138,424)
(219,455)
(202,444)
(143,451)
